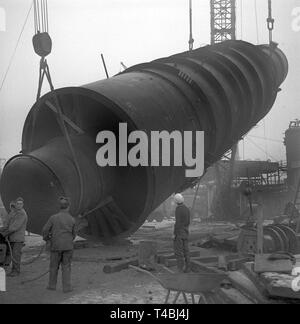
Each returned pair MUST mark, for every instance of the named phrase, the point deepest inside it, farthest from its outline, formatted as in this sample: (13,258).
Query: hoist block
(42,44)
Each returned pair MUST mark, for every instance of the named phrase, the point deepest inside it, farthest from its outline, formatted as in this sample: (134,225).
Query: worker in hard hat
(60,232)
(15,234)
(181,233)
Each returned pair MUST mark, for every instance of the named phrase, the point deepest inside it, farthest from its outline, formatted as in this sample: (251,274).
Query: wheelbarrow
(195,284)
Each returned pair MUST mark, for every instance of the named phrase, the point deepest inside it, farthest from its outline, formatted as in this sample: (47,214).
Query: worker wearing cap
(60,231)
(15,233)
(181,233)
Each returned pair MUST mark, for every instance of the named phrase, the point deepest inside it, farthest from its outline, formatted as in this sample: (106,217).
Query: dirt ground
(91,285)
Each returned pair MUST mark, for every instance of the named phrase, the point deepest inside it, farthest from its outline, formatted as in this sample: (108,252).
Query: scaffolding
(223,20)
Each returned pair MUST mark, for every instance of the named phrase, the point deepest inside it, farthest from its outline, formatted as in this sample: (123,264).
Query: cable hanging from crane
(191,40)
(270,22)
(42,44)
(256,22)
(241,14)
(41,23)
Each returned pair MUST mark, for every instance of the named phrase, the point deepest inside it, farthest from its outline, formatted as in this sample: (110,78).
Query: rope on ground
(27,262)
(35,278)
(256,21)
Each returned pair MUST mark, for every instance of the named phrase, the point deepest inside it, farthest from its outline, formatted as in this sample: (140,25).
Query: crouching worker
(14,232)
(60,231)
(181,233)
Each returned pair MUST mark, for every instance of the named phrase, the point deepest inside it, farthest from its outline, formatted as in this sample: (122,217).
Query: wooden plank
(205,267)
(263,264)
(87,259)
(235,265)
(229,258)
(170,263)
(212,259)
(162,259)
(116,267)
(173,262)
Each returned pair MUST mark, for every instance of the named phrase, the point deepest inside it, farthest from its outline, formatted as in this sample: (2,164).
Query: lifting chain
(42,44)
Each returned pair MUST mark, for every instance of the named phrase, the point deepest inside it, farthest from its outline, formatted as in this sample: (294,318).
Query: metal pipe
(223,90)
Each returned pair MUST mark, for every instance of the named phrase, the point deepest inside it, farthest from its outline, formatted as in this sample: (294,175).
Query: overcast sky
(134,31)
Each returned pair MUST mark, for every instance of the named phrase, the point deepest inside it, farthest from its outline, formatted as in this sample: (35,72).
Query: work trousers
(182,254)
(63,259)
(16,256)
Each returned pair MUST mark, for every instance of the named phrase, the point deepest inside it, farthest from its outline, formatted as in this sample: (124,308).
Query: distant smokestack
(292,143)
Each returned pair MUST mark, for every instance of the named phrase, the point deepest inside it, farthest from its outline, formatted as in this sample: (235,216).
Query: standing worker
(60,231)
(181,232)
(14,232)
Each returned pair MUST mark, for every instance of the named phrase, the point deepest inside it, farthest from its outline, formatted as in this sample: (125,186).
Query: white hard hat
(179,199)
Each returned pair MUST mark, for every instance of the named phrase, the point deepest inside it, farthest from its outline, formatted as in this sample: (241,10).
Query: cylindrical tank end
(35,183)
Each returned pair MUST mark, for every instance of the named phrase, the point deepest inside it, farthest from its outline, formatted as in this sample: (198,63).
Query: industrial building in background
(223,20)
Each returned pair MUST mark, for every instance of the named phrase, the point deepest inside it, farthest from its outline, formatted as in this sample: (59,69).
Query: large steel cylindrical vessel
(223,90)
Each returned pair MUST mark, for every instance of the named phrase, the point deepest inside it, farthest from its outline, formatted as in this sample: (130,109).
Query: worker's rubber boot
(180,265)
(16,258)
(7,261)
(187,268)
(52,279)
(66,271)
(53,271)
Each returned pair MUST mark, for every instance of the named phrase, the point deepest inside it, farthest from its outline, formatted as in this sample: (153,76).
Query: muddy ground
(91,285)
